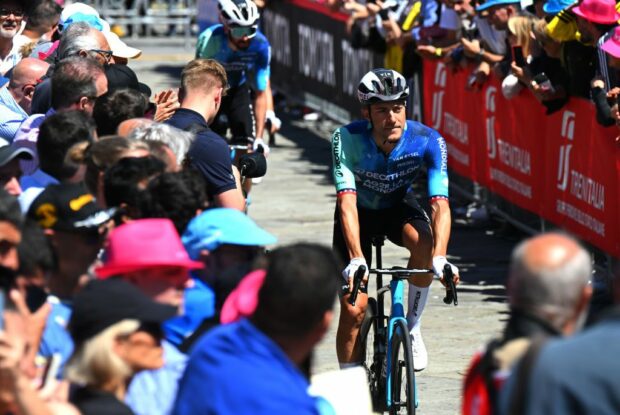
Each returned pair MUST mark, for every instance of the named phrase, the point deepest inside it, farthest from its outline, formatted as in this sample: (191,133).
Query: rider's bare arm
(347,206)
(440,223)
(260,111)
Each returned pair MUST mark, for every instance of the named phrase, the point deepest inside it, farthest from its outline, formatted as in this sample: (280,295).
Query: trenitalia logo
(489,100)
(440,81)
(568,132)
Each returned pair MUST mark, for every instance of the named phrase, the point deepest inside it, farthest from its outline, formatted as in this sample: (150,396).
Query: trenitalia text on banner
(563,167)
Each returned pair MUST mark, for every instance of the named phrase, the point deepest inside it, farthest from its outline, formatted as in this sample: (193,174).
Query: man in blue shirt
(203,83)
(253,366)
(16,98)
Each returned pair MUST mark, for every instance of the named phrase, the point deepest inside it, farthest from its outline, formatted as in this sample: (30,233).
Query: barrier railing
(149,13)
(563,167)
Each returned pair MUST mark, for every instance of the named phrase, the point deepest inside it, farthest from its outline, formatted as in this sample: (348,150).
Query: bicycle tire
(372,357)
(403,391)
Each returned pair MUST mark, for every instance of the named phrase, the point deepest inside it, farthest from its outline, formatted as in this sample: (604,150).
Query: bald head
(25,77)
(548,276)
(127,127)
(549,251)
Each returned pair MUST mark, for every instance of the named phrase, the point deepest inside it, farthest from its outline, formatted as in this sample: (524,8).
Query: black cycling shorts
(239,116)
(375,222)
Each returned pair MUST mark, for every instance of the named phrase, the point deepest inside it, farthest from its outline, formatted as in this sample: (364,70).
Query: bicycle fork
(397,313)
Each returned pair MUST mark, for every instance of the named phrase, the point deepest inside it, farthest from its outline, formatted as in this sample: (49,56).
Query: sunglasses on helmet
(243,31)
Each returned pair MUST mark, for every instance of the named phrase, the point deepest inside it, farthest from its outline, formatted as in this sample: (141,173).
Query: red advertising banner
(564,167)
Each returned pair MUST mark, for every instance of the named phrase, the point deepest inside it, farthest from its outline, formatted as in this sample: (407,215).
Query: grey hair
(178,140)
(550,293)
(75,38)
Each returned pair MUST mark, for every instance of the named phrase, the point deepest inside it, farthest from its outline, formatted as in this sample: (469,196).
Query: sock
(349,365)
(415,305)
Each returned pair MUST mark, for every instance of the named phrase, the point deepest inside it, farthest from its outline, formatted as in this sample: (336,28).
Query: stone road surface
(295,202)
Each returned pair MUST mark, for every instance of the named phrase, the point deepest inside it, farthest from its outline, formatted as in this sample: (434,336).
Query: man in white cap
(12,14)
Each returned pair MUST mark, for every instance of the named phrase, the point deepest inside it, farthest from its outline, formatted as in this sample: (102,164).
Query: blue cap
(556,6)
(215,227)
(490,3)
(3,81)
(93,21)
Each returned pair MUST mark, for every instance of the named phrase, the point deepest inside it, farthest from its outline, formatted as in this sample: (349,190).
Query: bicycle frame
(397,312)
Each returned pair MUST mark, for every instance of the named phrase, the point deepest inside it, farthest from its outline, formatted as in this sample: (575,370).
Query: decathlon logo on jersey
(440,81)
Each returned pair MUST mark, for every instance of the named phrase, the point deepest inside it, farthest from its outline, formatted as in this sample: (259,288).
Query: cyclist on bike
(245,53)
(375,162)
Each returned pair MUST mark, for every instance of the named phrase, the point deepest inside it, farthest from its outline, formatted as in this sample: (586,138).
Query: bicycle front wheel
(402,375)
(372,357)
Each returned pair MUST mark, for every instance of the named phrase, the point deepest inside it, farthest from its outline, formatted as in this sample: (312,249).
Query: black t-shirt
(580,63)
(96,402)
(209,153)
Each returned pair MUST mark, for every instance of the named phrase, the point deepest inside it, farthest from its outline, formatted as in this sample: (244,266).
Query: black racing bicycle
(386,344)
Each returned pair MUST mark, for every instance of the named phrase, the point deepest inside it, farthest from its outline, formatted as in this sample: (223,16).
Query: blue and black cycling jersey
(379,180)
(249,65)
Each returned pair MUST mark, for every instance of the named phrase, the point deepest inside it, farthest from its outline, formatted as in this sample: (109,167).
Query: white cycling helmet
(382,85)
(238,12)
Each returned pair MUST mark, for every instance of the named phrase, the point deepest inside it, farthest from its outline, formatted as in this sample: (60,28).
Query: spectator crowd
(556,49)
(133,282)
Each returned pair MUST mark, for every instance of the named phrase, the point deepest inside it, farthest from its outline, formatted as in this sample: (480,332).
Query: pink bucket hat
(598,11)
(242,301)
(612,45)
(144,244)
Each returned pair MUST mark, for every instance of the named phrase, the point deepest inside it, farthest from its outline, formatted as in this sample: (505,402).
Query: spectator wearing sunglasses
(11,17)
(245,54)
(16,98)
(76,228)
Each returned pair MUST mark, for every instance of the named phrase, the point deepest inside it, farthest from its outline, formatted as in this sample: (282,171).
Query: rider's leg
(418,239)
(242,124)
(348,348)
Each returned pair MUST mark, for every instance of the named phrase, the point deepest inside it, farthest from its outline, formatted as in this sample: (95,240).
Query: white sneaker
(420,357)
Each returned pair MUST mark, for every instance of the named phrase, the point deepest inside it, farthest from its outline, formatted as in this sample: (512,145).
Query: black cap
(68,207)
(10,151)
(103,303)
(121,77)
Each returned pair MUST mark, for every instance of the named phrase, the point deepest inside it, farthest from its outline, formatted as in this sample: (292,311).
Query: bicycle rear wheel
(373,356)
(402,379)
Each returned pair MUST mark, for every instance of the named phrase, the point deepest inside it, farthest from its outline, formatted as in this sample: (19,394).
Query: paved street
(295,201)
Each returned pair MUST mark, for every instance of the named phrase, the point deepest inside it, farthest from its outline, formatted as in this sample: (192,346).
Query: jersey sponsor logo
(235,66)
(336,151)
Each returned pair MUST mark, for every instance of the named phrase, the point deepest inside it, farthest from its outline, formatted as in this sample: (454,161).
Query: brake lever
(451,294)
